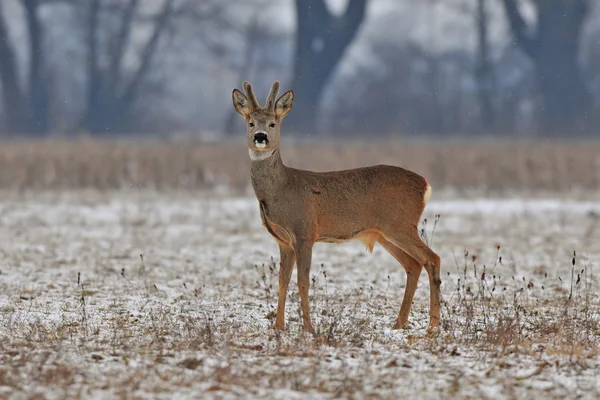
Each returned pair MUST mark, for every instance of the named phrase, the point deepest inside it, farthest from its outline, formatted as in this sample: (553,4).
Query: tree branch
(355,13)
(314,10)
(120,44)
(346,26)
(312,7)
(582,9)
(519,28)
(147,54)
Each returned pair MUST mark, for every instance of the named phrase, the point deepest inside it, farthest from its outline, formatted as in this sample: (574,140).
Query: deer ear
(240,103)
(283,105)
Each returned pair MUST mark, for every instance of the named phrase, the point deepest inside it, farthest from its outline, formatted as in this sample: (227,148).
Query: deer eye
(251,124)
(272,125)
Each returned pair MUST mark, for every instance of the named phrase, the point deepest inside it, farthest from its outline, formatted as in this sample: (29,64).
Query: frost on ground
(82,314)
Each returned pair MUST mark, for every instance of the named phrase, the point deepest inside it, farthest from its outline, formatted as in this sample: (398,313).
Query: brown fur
(379,204)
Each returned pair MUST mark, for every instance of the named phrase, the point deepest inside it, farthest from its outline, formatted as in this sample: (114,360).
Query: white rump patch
(427,194)
(260,155)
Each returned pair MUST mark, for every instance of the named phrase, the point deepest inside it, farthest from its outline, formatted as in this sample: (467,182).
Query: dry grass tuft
(488,315)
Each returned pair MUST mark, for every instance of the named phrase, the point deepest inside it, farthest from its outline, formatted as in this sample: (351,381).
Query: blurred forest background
(510,68)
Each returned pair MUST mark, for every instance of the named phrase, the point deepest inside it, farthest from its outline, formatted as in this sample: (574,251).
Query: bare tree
(484,69)
(321,40)
(111,87)
(26,107)
(553,46)
(11,90)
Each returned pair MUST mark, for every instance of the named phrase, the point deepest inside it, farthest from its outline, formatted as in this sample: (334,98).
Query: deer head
(263,124)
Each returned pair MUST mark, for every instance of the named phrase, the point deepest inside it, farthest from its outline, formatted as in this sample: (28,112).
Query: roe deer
(380,204)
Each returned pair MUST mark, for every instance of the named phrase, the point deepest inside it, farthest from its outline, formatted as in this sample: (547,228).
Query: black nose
(260,137)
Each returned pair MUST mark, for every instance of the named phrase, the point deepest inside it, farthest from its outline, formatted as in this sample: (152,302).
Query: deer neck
(267,172)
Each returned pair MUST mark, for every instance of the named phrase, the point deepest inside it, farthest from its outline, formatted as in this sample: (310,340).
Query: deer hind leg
(304,258)
(413,270)
(412,244)
(433,270)
(286,267)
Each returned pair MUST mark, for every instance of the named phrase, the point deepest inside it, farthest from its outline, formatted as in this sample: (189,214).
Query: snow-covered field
(83,315)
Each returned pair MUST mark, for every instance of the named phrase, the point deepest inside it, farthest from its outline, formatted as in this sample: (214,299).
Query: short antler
(270,105)
(251,97)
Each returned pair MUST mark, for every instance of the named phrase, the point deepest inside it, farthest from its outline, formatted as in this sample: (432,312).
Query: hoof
(433,330)
(399,325)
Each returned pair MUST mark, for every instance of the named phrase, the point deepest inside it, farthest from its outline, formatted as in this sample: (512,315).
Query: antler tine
(270,105)
(251,97)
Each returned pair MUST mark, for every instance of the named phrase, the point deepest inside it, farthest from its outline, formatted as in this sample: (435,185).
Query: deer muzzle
(261,139)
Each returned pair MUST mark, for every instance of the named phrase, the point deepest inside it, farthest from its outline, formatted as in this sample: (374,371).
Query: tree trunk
(38,93)
(321,40)
(564,95)
(92,119)
(554,49)
(484,74)
(11,91)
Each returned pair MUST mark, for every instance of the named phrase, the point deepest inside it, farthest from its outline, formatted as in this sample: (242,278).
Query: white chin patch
(260,145)
(260,155)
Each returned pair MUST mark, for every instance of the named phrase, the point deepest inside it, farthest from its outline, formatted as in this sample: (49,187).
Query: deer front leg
(304,258)
(286,266)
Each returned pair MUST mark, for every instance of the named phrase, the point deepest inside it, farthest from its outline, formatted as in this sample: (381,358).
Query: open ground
(153,293)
